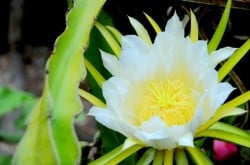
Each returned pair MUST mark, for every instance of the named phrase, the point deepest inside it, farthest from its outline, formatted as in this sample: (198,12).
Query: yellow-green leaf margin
(50,135)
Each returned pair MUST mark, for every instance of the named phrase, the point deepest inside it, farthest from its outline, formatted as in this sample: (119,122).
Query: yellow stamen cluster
(170,100)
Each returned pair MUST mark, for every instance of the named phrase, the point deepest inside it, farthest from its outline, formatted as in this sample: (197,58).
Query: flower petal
(111,63)
(175,26)
(135,44)
(219,55)
(186,140)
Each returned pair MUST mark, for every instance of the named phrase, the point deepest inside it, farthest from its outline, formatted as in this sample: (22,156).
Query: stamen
(170,100)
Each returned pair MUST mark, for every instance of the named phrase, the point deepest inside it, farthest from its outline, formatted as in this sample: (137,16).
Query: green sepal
(140,30)
(218,34)
(226,135)
(198,156)
(147,157)
(180,156)
(118,154)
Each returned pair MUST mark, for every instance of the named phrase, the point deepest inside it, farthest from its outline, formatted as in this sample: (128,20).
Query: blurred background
(29,28)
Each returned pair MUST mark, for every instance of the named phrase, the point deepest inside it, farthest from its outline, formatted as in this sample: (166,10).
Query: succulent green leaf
(37,145)
(218,34)
(65,69)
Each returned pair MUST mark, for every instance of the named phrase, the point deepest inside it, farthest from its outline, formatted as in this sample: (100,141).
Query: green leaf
(147,157)
(93,55)
(180,157)
(36,145)
(5,159)
(226,136)
(109,138)
(233,60)
(70,3)
(140,30)
(199,142)
(198,156)
(26,108)
(66,70)
(11,99)
(51,122)
(218,34)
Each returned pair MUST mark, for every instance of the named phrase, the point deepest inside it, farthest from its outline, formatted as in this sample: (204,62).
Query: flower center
(170,100)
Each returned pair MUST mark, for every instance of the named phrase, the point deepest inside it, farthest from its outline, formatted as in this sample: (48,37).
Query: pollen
(170,100)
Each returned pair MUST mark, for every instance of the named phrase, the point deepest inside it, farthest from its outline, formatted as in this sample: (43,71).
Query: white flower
(160,94)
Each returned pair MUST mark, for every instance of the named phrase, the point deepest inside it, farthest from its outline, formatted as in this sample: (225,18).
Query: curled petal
(219,55)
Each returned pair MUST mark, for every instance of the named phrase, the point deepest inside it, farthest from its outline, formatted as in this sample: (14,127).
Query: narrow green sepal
(218,34)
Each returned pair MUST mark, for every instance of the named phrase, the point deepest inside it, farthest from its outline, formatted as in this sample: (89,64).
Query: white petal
(158,135)
(134,44)
(114,90)
(220,94)
(164,43)
(105,117)
(217,56)
(133,66)
(111,63)
(153,125)
(175,26)
(200,53)
(208,78)
(110,120)
(186,140)
(200,115)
